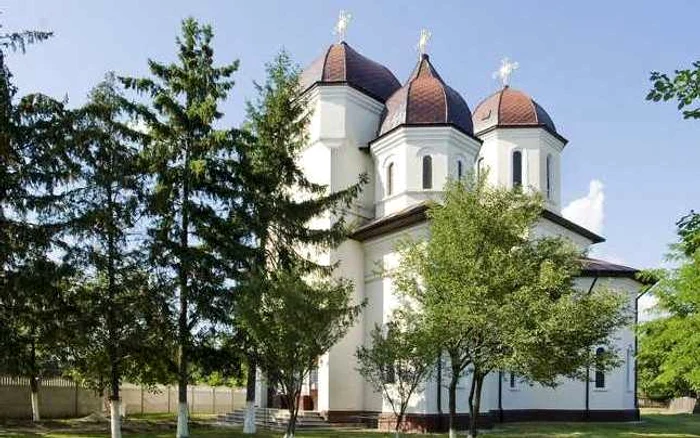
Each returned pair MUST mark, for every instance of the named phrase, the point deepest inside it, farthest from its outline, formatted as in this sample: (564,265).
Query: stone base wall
(426,423)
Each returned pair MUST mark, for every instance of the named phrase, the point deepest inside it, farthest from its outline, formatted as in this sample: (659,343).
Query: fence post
(168,388)
(213,399)
(192,399)
(141,399)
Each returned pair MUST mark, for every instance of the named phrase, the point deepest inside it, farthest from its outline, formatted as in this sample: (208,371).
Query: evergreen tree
(279,202)
(192,236)
(33,134)
(120,327)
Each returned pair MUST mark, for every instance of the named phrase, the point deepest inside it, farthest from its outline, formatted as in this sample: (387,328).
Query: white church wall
(342,122)
(545,228)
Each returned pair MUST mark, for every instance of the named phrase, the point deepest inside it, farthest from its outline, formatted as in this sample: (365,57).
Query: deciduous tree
(398,359)
(508,297)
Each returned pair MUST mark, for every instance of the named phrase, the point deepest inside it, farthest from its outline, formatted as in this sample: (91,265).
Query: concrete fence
(62,398)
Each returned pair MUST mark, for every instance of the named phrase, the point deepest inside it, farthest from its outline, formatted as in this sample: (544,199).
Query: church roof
(426,99)
(510,108)
(341,64)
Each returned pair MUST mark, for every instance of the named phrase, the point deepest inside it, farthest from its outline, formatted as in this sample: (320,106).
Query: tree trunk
(114,397)
(397,426)
(34,386)
(293,406)
(453,404)
(34,382)
(115,418)
(183,326)
(249,420)
(476,406)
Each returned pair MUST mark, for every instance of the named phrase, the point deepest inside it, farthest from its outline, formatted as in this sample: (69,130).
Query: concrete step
(276,418)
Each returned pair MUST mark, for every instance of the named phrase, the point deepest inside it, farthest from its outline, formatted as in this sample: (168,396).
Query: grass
(162,426)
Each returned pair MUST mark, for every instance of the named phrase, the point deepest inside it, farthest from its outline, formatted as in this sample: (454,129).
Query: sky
(630,169)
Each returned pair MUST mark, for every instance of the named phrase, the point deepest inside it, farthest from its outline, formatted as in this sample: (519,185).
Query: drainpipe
(587,413)
(500,396)
(439,392)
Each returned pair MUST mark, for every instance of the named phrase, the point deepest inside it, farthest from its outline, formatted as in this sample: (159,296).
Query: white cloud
(588,210)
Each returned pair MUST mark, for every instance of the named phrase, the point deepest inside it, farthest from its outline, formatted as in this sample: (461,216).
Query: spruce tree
(192,237)
(33,134)
(119,328)
(279,201)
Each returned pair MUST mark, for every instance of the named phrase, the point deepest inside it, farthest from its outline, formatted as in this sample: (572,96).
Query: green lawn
(654,425)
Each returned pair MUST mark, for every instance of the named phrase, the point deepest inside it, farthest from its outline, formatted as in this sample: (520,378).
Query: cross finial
(422,46)
(505,71)
(341,27)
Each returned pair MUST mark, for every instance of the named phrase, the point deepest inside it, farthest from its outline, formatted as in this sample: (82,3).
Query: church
(410,139)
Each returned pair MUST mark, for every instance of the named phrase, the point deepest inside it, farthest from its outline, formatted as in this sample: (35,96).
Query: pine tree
(278,200)
(192,236)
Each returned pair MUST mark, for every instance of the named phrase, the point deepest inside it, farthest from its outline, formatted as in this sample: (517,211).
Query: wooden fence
(63,398)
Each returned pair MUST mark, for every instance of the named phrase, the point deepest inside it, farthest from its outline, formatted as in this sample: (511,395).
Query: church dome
(341,64)
(512,109)
(426,100)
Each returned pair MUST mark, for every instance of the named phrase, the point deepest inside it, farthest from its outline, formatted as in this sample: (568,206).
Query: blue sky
(587,63)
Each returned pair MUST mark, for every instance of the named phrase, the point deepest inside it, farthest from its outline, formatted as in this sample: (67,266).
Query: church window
(629,372)
(549,167)
(460,169)
(513,381)
(599,373)
(479,167)
(427,172)
(517,168)
(390,179)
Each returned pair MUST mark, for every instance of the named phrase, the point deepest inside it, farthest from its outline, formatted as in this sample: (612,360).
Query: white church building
(410,138)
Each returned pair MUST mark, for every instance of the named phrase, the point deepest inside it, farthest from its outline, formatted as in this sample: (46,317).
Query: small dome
(511,108)
(426,100)
(341,64)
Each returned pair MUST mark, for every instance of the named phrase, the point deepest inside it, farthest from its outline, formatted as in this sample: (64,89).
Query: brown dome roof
(511,108)
(426,100)
(341,64)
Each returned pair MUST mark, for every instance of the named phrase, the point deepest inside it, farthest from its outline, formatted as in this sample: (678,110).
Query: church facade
(410,139)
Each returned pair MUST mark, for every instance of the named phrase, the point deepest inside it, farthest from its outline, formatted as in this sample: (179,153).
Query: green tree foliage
(122,330)
(397,361)
(507,299)
(683,87)
(33,312)
(279,202)
(293,323)
(669,345)
(192,236)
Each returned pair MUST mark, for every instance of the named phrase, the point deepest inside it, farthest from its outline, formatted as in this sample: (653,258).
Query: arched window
(479,167)
(599,374)
(427,172)
(550,169)
(460,169)
(513,382)
(390,179)
(517,168)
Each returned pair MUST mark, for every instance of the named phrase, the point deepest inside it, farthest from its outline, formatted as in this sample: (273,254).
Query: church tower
(425,139)
(345,94)
(521,144)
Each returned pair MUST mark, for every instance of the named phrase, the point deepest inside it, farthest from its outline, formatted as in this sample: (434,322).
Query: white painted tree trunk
(115,418)
(249,420)
(453,433)
(288,435)
(182,418)
(35,406)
